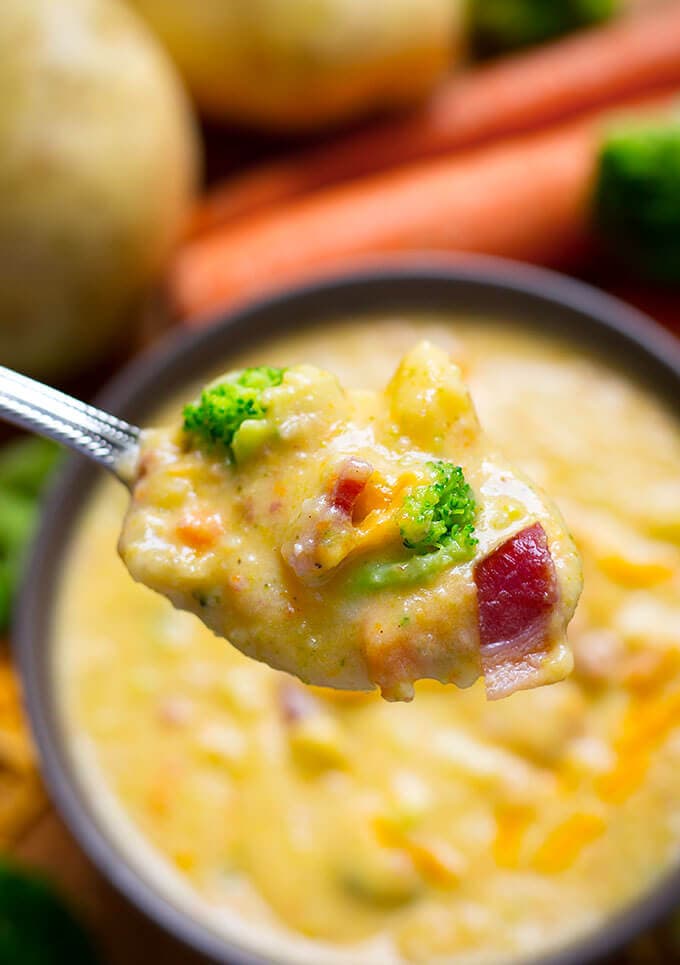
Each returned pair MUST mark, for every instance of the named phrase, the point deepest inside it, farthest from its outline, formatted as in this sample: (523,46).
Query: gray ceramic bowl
(478,286)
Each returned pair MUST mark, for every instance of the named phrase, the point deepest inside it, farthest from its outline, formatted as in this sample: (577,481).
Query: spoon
(39,408)
(248,565)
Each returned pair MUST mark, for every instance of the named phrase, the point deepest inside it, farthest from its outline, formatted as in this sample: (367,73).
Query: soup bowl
(476,287)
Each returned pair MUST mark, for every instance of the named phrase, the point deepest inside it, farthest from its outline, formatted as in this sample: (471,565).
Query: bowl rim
(535,295)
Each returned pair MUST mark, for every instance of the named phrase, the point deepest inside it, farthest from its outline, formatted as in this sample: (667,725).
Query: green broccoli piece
(498,26)
(36,927)
(415,570)
(439,512)
(637,198)
(25,467)
(223,408)
(437,521)
(18,519)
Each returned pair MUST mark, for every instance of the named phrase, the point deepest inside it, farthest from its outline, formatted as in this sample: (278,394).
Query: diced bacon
(517,593)
(350,482)
(325,534)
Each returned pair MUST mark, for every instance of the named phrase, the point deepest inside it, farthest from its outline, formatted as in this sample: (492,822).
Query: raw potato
(292,64)
(97,165)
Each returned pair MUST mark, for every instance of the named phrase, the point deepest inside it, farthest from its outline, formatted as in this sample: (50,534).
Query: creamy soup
(319,826)
(355,537)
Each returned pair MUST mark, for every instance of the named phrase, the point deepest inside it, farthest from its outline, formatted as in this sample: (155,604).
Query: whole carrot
(528,198)
(638,53)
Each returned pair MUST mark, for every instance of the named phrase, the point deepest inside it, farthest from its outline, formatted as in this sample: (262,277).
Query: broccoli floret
(417,569)
(434,514)
(437,521)
(18,518)
(502,25)
(36,927)
(223,408)
(637,198)
(25,467)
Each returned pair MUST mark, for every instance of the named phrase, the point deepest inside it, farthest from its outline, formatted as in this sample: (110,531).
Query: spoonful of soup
(355,539)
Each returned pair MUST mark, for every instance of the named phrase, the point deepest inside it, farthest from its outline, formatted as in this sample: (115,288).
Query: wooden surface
(125,937)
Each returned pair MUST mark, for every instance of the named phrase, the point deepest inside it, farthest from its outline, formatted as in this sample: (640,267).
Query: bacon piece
(352,477)
(517,593)
(325,534)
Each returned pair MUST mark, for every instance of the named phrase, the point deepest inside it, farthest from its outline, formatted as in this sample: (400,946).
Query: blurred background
(162,161)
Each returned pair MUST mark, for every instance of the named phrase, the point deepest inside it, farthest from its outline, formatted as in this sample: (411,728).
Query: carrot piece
(648,723)
(200,531)
(512,823)
(527,199)
(627,57)
(566,842)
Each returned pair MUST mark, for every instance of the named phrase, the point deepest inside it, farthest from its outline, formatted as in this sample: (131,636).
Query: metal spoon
(39,408)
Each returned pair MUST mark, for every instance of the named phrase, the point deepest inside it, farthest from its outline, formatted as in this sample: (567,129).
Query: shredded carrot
(512,823)
(436,861)
(433,858)
(617,785)
(648,722)
(566,842)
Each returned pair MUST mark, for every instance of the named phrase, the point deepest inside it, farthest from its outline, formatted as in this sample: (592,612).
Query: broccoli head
(225,406)
(437,521)
(26,465)
(36,927)
(438,512)
(637,198)
(501,25)
(25,468)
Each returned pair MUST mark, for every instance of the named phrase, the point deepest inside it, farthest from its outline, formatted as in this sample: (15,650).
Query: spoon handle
(48,412)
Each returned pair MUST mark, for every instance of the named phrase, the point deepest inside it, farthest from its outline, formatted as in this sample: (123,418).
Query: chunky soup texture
(355,537)
(319,826)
